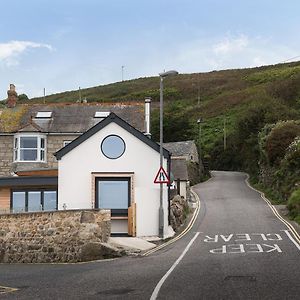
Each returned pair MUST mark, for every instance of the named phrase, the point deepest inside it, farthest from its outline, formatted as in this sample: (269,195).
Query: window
(30,148)
(113,146)
(114,194)
(101,114)
(66,143)
(31,201)
(44,114)
(18,202)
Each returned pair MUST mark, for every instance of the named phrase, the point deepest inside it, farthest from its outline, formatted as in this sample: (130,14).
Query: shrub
(294,204)
(278,140)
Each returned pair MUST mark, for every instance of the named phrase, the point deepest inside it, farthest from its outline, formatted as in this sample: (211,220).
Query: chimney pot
(12,96)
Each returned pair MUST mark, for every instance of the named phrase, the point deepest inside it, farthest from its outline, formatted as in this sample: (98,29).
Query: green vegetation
(10,118)
(294,205)
(250,118)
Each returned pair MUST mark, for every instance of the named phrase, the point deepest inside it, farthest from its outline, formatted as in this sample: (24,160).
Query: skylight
(44,114)
(101,114)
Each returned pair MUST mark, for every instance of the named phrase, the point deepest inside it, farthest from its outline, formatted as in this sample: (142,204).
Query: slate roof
(109,119)
(78,118)
(184,148)
(179,168)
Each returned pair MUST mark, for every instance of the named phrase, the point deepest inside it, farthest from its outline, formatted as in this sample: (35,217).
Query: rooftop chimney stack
(12,96)
(147,117)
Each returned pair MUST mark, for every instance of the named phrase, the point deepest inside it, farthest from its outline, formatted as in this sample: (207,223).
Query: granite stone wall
(60,236)
(6,154)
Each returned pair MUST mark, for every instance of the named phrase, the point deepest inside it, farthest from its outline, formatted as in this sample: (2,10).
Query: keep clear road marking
(164,278)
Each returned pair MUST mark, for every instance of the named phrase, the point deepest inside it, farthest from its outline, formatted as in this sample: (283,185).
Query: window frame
(41,155)
(114,212)
(42,203)
(106,154)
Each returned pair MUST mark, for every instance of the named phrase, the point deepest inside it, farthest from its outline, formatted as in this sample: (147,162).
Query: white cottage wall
(75,184)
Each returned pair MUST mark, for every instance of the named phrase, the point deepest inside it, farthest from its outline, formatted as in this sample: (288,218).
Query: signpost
(162,176)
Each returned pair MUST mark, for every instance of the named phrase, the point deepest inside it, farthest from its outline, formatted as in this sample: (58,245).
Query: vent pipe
(147,117)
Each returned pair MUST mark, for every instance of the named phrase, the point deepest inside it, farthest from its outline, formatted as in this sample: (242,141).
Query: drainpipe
(147,117)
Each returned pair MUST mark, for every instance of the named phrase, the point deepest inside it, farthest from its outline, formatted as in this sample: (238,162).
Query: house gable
(115,119)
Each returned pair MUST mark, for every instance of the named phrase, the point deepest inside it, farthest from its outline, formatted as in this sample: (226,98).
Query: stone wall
(6,154)
(178,212)
(60,236)
(54,143)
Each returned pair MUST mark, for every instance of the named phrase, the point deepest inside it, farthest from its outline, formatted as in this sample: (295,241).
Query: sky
(62,45)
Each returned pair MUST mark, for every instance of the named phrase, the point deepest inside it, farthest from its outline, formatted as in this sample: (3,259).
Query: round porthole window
(113,146)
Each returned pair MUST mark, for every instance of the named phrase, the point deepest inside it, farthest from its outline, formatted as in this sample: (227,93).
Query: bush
(278,140)
(294,204)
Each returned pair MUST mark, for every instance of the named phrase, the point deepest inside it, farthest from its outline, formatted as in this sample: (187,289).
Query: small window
(50,201)
(44,114)
(101,114)
(66,143)
(113,147)
(18,202)
(34,201)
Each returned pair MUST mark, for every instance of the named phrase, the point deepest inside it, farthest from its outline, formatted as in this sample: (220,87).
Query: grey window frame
(114,212)
(26,191)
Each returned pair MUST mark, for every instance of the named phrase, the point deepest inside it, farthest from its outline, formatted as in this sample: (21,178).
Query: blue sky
(62,44)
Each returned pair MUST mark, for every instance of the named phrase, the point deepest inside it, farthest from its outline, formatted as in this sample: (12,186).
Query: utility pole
(224,129)
(198,93)
(79,91)
(199,137)
(123,72)
(44,95)
(161,140)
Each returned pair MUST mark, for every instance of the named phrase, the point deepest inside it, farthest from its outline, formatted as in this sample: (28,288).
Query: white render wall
(75,177)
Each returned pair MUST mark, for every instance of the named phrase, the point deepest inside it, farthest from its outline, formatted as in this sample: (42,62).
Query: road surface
(236,249)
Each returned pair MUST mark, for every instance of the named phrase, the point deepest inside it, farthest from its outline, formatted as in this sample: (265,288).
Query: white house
(113,166)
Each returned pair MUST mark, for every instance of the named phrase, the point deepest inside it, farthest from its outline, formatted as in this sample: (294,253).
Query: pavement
(132,245)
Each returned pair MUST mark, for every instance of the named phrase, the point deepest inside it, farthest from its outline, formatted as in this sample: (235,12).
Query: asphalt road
(237,249)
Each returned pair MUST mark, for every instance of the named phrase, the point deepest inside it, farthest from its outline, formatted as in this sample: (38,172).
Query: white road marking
(291,238)
(163,279)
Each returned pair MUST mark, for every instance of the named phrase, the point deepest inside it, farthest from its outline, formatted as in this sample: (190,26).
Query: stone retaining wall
(60,236)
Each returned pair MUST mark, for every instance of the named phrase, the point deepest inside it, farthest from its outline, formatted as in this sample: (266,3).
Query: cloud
(10,52)
(229,52)
(230,45)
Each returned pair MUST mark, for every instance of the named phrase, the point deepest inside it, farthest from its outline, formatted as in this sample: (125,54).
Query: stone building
(32,179)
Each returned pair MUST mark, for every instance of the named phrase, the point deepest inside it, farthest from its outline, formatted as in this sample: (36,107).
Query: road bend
(236,249)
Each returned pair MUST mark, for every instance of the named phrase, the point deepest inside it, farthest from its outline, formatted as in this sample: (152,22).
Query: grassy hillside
(250,120)
(230,98)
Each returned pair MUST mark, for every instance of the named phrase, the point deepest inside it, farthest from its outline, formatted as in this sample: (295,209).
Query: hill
(249,119)
(228,100)
(225,97)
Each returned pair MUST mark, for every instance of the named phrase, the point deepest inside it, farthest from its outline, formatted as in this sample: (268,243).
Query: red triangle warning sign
(161,176)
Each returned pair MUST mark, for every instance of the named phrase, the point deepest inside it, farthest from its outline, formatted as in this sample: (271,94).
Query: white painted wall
(75,179)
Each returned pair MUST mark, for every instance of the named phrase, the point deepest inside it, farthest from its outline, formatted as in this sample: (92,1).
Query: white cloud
(229,52)
(11,51)
(231,45)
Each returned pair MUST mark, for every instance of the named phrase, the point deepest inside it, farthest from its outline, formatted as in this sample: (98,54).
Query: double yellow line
(183,233)
(275,212)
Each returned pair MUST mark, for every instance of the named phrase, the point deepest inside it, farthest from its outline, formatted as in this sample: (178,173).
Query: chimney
(12,96)
(147,117)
